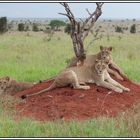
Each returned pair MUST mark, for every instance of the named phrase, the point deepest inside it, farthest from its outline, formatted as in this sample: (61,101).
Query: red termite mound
(68,104)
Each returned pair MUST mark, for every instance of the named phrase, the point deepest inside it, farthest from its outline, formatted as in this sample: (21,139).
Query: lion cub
(105,53)
(9,86)
(76,76)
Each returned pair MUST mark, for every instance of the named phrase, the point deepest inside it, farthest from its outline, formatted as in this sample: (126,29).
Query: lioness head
(105,52)
(4,83)
(100,66)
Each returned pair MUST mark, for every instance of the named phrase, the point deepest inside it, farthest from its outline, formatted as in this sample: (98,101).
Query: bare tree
(80,30)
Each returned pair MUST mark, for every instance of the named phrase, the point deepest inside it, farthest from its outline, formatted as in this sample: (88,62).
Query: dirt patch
(67,103)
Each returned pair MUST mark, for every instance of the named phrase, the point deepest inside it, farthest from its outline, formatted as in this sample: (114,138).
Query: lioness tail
(52,86)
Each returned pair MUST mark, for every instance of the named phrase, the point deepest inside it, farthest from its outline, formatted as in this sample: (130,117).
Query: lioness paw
(86,87)
(127,89)
(118,90)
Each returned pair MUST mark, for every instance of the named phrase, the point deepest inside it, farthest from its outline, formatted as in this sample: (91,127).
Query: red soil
(67,103)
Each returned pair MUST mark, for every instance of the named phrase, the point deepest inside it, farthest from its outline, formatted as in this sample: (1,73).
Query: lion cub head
(100,66)
(106,53)
(11,86)
(4,83)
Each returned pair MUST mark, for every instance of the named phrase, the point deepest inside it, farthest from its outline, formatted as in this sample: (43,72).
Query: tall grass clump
(131,119)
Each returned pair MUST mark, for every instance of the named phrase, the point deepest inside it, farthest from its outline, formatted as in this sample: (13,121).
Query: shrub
(118,29)
(21,27)
(35,27)
(3,24)
(133,29)
(67,28)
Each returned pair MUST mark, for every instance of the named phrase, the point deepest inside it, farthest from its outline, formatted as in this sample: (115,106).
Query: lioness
(9,86)
(76,76)
(105,53)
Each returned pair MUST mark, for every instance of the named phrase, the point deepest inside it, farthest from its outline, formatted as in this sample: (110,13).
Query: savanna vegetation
(38,53)
(31,57)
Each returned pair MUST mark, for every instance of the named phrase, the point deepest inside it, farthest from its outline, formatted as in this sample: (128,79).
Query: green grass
(102,127)
(32,58)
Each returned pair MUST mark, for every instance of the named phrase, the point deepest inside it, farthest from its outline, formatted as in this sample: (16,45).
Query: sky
(51,10)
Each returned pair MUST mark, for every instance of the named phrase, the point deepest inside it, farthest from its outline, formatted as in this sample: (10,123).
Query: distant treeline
(47,26)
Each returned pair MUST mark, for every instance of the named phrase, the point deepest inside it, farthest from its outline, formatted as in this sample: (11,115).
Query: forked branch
(79,30)
(89,22)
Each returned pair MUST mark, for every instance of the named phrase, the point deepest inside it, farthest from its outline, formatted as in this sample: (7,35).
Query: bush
(134,19)
(67,29)
(3,24)
(133,29)
(118,29)
(35,27)
(21,27)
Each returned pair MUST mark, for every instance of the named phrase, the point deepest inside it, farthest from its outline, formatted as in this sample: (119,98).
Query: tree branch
(89,22)
(78,31)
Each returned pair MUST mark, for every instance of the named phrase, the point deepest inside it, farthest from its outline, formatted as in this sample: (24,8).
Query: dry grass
(131,121)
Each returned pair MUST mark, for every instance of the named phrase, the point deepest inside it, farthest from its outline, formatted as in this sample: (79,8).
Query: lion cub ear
(101,47)
(7,78)
(110,48)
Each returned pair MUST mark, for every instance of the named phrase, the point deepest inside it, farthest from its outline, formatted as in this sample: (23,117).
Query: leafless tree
(80,30)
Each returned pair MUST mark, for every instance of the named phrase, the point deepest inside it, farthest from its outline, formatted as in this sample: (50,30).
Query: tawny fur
(105,53)
(74,76)
(11,86)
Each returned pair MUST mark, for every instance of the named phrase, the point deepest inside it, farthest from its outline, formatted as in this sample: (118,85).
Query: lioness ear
(101,47)
(110,48)
(7,78)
